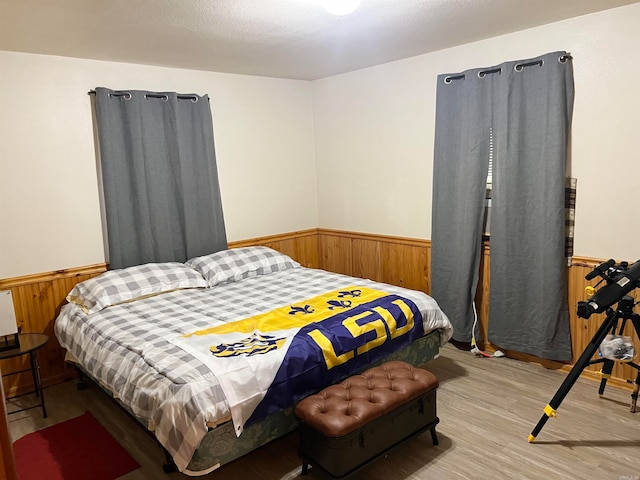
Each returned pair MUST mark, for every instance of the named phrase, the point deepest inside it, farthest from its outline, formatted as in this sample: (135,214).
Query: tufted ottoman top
(340,409)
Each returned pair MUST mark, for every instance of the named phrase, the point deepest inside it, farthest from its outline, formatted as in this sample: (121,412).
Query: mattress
(128,348)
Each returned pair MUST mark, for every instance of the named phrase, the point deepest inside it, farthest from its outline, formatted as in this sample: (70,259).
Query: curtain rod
(194,98)
(518,67)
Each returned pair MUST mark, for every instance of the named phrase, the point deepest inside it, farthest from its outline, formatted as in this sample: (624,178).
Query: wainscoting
(37,300)
(302,246)
(395,260)
(406,262)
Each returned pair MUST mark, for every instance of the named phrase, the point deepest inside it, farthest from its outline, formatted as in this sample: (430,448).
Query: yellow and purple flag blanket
(270,361)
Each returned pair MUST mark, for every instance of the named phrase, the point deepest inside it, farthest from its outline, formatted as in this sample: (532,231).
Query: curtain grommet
(518,67)
(125,95)
(450,78)
(162,96)
(484,73)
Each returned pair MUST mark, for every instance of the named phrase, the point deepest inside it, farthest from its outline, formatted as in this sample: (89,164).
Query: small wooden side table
(29,343)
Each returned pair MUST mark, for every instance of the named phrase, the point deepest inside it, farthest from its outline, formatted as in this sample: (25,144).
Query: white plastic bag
(617,347)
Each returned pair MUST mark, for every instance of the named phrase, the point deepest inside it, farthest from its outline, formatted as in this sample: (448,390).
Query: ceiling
(277,38)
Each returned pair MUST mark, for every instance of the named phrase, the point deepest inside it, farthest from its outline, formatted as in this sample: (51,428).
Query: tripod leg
(634,395)
(605,374)
(552,406)
(580,365)
(635,319)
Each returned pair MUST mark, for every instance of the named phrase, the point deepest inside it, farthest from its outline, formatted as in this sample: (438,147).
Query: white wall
(352,152)
(374,132)
(49,208)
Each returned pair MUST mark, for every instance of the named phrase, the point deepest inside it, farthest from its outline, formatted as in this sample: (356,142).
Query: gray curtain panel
(525,107)
(461,161)
(528,310)
(159,176)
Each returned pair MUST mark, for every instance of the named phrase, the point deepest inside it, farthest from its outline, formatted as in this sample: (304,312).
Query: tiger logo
(256,344)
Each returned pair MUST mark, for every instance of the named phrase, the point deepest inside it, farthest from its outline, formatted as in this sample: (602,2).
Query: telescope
(621,279)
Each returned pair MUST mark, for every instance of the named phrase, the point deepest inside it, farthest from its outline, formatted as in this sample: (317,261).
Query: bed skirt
(221,446)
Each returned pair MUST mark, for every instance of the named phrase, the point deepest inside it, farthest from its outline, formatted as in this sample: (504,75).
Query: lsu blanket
(272,360)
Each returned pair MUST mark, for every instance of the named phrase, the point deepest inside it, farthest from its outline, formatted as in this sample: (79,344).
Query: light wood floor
(487,408)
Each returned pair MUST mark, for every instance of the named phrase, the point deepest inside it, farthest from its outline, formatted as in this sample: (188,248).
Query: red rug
(78,449)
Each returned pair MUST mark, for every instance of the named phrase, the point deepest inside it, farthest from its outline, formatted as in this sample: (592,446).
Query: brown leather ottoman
(347,425)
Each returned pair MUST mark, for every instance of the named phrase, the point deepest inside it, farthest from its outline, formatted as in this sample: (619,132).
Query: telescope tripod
(624,312)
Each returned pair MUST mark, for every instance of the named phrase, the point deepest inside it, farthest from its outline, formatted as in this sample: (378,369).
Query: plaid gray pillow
(235,264)
(124,285)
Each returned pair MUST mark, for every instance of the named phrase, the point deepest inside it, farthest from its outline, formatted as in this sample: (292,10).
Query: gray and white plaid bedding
(126,347)
(118,286)
(236,264)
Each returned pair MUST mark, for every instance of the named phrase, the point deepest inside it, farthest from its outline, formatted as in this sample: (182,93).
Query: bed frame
(221,445)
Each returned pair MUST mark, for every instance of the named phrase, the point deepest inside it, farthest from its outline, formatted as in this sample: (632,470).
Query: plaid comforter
(128,348)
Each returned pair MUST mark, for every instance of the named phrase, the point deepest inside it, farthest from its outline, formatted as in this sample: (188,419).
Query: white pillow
(124,285)
(237,263)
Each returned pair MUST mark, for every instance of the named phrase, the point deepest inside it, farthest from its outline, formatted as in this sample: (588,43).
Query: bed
(211,355)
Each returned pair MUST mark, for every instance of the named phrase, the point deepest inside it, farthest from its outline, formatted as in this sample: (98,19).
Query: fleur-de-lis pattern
(333,304)
(307,309)
(350,293)
(307,312)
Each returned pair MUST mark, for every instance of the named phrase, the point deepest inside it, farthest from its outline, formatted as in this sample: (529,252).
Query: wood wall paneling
(406,266)
(482,297)
(336,254)
(37,300)
(302,246)
(582,331)
(406,262)
(396,260)
(366,261)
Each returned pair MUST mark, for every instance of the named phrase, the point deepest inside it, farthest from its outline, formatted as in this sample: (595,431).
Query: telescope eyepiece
(585,310)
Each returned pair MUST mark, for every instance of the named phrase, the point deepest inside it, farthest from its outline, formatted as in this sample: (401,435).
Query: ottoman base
(343,455)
